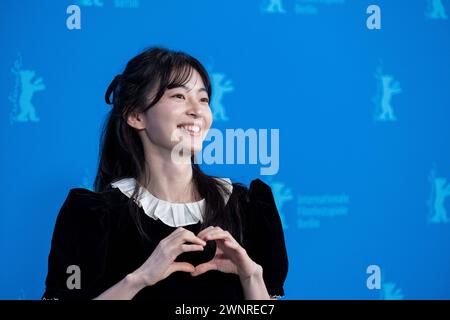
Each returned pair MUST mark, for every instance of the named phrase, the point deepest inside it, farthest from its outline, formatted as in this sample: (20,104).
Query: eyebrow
(185,87)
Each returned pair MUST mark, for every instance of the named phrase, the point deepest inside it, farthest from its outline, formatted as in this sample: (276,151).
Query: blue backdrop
(363,118)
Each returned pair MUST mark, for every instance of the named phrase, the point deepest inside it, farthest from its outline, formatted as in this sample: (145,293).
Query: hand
(230,256)
(161,262)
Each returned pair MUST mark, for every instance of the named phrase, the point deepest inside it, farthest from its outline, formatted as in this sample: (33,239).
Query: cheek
(208,118)
(155,125)
(153,129)
(161,124)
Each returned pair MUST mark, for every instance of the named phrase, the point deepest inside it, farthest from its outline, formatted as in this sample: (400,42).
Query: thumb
(204,267)
(181,266)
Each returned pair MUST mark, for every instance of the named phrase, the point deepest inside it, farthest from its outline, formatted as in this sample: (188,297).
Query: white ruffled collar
(171,213)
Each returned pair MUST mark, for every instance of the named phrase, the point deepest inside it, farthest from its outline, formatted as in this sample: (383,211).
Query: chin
(190,148)
(195,149)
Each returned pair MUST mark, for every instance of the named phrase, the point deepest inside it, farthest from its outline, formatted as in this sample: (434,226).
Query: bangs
(173,70)
(179,76)
(178,71)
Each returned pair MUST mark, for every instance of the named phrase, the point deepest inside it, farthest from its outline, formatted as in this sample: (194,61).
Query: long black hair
(121,152)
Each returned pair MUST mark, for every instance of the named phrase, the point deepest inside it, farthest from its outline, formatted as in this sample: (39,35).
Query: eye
(204,100)
(179,95)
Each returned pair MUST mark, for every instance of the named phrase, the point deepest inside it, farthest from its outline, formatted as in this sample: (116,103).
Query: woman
(157,227)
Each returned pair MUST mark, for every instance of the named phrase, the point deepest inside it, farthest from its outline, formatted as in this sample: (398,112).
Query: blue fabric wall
(363,118)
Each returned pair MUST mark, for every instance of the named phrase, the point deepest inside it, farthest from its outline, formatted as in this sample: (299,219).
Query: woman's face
(181,118)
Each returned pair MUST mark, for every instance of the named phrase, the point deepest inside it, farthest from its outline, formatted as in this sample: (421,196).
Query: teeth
(194,128)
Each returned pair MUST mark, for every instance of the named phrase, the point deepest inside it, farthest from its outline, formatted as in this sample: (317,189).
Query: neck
(166,179)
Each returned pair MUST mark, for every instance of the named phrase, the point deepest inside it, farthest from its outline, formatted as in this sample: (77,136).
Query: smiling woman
(159,229)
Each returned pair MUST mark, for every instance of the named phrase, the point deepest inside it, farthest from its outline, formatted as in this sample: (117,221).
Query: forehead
(189,80)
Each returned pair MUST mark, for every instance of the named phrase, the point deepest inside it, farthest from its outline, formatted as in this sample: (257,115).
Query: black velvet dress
(96,232)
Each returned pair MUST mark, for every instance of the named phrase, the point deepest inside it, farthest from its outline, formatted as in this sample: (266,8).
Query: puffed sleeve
(77,259)
(265,238)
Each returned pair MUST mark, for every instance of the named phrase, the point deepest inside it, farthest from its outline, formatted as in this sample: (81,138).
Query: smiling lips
(190,128)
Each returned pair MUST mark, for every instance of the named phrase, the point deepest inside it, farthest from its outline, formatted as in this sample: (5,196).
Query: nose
(196,109)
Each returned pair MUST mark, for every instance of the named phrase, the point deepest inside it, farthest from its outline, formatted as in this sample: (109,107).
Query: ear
(136,120)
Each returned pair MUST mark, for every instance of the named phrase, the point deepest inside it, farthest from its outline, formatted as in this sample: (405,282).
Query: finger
(179,230)
(204,267)
(204,231)
(188,236)
(208,231)
(181,266)
(215,235)
(212,228)
(231,244)
(175,233)
(190,247)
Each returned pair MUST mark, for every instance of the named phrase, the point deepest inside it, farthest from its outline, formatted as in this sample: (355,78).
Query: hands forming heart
(230,256)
